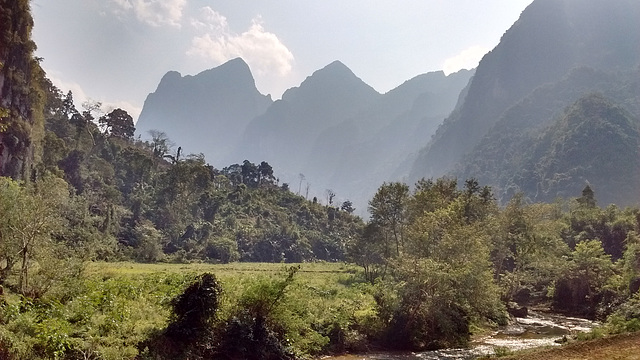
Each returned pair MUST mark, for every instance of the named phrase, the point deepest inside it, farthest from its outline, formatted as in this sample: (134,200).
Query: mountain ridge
(543,45)
(333,122)
(222,98)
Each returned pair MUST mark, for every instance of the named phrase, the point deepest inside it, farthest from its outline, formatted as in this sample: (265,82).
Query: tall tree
(388,210)
(118,123)
(588,198)
(29,216)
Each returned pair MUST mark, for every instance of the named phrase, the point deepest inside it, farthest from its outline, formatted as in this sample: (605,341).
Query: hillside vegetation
(558,52)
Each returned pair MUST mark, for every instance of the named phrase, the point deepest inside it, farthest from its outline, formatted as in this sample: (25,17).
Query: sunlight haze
(127,46)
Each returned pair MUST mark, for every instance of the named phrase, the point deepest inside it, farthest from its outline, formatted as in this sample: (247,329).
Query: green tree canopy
(118,123)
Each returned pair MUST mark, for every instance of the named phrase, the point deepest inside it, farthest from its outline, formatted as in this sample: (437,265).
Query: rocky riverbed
(537,329)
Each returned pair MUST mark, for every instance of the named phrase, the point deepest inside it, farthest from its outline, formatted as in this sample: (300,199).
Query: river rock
(517,311)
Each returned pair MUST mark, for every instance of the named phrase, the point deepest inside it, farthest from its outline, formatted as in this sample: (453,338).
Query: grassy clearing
(114,306)
(221,270)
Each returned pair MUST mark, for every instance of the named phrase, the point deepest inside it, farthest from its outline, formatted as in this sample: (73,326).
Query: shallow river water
(538,329)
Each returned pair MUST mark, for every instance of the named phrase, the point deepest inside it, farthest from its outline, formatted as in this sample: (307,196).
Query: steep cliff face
(205,113)
(21,100)
(505,158)
(550,38)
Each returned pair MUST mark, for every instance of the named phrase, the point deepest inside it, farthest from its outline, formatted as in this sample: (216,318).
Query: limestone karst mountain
(286,132)
(557,52)
(333,128)
(205,113)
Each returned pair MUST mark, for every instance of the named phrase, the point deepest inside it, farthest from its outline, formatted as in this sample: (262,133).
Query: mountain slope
(396,126)
(504,151)
(205,113)
(550,38)
(285,133)
(343,135)
(595,142)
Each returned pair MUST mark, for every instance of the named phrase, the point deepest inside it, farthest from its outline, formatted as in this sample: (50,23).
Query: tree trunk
(24,273)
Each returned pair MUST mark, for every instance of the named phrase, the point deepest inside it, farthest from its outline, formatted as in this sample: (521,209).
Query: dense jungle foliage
(434,263)
(139,200)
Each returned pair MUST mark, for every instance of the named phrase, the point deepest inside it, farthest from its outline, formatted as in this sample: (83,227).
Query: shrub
(626,318)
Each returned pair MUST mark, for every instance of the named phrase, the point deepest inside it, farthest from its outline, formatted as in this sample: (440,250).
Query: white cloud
(210,21)
(154,12)
(262,50)
(79,96)
(466,59)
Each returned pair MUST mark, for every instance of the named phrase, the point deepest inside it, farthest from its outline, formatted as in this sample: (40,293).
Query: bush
(250,337)
(195,309)
(189,333)
(257,329)
(626,318)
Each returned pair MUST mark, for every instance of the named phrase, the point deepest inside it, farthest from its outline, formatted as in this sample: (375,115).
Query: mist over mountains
(556,53)
(334,129)
(522,122)
(205,113)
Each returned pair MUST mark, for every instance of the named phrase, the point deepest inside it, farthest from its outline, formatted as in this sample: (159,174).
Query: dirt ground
(620,347)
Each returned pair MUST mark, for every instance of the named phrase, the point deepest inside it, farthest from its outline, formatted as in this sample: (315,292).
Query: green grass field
(114,306)
(307,270)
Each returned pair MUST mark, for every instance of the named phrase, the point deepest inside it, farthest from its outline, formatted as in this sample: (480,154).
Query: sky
(116,51)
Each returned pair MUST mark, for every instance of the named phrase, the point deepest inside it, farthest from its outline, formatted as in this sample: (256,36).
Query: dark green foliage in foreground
(457,260)
(250,332)
(446,257)
(195,309)
(440,277)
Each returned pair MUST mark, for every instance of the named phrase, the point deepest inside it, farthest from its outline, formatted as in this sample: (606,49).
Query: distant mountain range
(334,129)
(522,122)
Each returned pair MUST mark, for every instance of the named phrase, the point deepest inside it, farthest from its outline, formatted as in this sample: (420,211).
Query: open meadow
(112,307)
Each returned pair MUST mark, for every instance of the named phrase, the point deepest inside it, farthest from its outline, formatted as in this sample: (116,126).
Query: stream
(537,329)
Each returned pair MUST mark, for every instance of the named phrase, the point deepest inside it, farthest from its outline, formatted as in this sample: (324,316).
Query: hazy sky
(116,51)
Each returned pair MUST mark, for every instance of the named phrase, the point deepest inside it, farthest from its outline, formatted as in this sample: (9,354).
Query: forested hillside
(134,199)
(553,55)
(511,156)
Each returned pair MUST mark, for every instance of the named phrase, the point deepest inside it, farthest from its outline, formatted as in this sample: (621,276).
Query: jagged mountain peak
(170,79)
(224,97)
(335,67)
(431,81)
(234,73)
(235,66)
(335,79)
